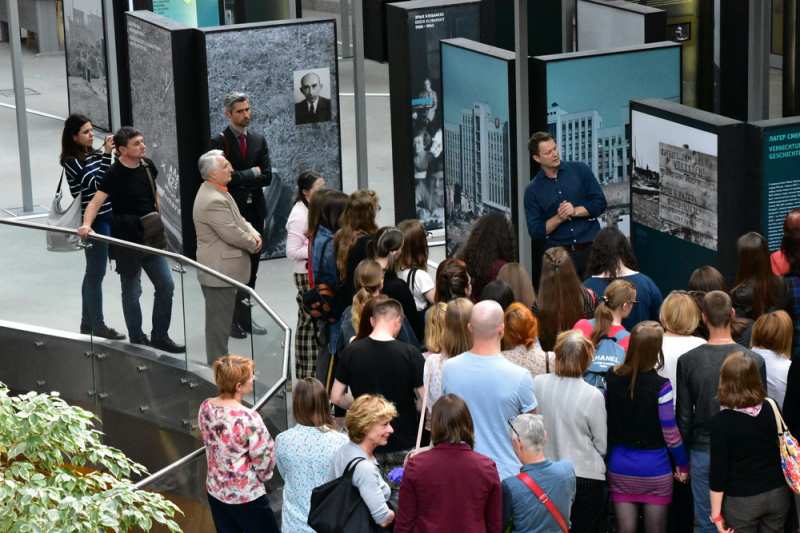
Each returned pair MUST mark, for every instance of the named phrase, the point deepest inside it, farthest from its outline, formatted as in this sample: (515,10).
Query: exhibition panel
(85,54)
(415,29)
(195,13)
(478,100)
(603,24)
(268,62)
(582,99)
(120,23)
(545,25)
(375,32)
(777,172)
(689,190)
(164,106)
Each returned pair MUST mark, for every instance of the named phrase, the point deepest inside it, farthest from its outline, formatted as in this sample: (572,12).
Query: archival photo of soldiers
(84,42)
(674,183)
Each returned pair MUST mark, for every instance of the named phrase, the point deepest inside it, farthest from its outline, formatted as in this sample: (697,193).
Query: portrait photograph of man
(312,96)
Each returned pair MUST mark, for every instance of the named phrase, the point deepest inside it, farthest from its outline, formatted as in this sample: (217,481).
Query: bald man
(314,108)
(494,389)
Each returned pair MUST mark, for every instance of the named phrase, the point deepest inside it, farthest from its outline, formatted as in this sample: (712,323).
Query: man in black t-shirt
(130,184)
(379,364)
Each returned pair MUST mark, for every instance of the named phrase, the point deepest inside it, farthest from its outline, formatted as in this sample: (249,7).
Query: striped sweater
(85,176)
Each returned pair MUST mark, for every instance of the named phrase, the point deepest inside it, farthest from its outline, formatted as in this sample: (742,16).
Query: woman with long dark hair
(562,299)
(643,438)
(612,258)
(357,229)
(297,249)
(85,169)
(757,290)
(490,245)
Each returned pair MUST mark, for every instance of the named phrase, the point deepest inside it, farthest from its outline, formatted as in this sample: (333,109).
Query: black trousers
(241,313)
(588,514)
(251,517)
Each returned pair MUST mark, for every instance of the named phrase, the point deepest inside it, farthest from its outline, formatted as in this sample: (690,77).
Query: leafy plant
(56,474)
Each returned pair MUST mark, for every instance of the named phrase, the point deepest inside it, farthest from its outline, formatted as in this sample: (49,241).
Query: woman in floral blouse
(305,453)
(239,451)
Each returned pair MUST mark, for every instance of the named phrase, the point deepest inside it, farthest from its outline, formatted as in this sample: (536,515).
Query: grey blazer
(224,238)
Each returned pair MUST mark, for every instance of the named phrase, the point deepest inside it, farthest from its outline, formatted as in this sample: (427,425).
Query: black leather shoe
(168,345)
(144,341)
(237,332)
(103,331)
(252,327)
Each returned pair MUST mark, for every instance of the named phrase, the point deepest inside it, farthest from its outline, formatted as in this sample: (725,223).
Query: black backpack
(337,506)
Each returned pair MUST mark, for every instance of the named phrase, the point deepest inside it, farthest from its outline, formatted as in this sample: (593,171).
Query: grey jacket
(366,478)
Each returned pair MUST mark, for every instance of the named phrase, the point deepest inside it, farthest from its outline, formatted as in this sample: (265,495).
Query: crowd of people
(469,400)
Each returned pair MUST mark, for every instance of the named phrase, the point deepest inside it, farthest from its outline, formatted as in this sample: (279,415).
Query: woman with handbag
(239,452)
(368,424)
(85,169)
(746,480)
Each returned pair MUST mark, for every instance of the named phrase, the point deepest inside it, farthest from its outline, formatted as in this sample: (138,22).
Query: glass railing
(145,397)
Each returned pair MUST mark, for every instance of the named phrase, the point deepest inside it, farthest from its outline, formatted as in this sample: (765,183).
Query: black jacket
(634,422)
(697,383)
(246,187)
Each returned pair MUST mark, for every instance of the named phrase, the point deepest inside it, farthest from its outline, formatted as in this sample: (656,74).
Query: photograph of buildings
(479,169)
(674,184)
(84,42)
(427,27)
(587,111)
(265,62)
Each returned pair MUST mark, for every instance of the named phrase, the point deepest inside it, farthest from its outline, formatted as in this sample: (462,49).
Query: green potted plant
(57,475)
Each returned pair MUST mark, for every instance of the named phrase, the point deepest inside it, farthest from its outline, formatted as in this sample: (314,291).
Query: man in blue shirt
(562,203)
(555,478)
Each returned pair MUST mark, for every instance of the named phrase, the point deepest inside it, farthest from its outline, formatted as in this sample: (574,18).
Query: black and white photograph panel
(312,96)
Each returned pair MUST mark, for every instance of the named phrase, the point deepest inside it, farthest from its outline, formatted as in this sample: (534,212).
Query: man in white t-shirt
(494,389)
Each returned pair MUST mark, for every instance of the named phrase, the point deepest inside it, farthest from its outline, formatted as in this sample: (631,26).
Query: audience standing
(772,340)
(520,282)
(356,229)
(644,441)
(680,317)
(412,263)
(304,453)
(368,423)
(452,280)
(562,299)
(380,364)
(748,490)
(521,341)
(521,507)
(493,388)
(757,289)
(456,339)
(450,488)
(434,329)
(698,374)
(490,245)
(612,258)
(575,422)
(86,169)
(784,261)
(239,451)
(499,291)
(297,250)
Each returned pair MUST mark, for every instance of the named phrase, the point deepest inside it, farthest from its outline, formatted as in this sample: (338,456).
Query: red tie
(243,146)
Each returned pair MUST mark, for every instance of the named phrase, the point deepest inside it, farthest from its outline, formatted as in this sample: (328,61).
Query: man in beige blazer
(224,241)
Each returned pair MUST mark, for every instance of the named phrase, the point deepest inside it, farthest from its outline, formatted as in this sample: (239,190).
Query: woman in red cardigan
(450,488)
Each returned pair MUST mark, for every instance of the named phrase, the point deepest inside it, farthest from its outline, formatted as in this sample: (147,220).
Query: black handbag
(337,506)
(153,234)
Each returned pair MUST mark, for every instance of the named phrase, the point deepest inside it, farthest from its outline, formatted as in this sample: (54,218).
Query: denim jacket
(324,268)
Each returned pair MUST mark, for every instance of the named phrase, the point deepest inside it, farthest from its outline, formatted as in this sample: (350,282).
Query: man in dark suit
(252,171)
(314,108)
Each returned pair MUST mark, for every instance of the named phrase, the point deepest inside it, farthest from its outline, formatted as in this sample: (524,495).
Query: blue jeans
(157,269)
(92,287)
(699,462)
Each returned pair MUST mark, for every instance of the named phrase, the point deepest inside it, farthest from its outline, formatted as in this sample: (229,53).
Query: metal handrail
(181,259)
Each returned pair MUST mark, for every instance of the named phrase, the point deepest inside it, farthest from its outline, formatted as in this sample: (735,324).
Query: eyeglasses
(512,427)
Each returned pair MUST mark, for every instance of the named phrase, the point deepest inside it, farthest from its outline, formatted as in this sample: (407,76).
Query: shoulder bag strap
(60,181)
(151,182)
(545,499)
(422,414)
(412,276)
(351,466)
(779,423)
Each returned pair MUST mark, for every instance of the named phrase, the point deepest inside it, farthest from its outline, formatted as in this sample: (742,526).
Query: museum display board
(120,22)
(603,24)
(691,196)
(85,54)
(165,107)
(194,13)
(415,30)
(582,99)
(479,110)
(376,46)
(777,171)
(268,61)
(545,25)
